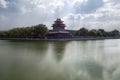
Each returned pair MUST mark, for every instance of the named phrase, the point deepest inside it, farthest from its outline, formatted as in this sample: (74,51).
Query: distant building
(58,30)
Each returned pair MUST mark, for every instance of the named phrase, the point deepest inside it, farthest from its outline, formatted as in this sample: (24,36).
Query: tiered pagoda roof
(58,23)
(58,30)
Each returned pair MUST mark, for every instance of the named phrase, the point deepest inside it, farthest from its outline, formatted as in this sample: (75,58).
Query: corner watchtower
(58,25)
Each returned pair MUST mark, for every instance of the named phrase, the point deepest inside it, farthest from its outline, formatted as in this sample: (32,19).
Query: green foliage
(82,32)
(39,31)
(96,33)
(93,32)
(3,34)
(115,33)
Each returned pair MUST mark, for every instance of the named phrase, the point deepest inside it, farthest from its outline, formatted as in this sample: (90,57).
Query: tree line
(41,31)
(26,32)
(96,33)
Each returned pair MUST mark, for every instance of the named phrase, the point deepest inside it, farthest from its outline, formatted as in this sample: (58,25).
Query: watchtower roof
(58,22)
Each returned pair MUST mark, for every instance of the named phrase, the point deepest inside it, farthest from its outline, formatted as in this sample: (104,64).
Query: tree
(82,32)
(99,33)
(92,32)
(40,31)
(102,32)
(115,32)
(3,34)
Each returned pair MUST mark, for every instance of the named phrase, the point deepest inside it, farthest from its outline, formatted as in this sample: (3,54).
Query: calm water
(60,60)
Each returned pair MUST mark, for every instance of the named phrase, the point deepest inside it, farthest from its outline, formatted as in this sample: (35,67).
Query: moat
(60,60)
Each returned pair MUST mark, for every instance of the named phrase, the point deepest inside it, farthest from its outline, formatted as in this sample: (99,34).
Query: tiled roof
(54,32)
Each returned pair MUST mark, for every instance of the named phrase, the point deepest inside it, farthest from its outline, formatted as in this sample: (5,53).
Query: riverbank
(62,39)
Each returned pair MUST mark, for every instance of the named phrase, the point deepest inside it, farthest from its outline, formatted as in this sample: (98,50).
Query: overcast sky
(75,13)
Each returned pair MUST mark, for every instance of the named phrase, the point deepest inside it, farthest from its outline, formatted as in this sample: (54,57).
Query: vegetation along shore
(41,32)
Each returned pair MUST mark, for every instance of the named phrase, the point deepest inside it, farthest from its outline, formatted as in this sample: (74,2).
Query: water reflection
(62,60)
(28,48)
(59,49)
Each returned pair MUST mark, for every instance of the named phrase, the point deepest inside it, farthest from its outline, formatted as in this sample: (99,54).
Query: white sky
(75,13)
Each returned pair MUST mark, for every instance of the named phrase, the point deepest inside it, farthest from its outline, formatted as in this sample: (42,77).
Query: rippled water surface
(60,60)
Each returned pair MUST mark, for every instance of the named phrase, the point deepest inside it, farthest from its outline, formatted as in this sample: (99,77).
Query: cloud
(104,14)
(3,4)
(88,6)
(75,13)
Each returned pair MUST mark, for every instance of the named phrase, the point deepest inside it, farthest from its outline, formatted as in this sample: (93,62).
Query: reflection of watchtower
(58,25)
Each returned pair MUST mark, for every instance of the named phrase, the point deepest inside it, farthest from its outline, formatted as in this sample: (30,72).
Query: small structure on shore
(58,30)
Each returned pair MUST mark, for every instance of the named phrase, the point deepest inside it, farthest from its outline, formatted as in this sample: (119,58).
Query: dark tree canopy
(96,33)
(38,31)
(41,31)
(82,32)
